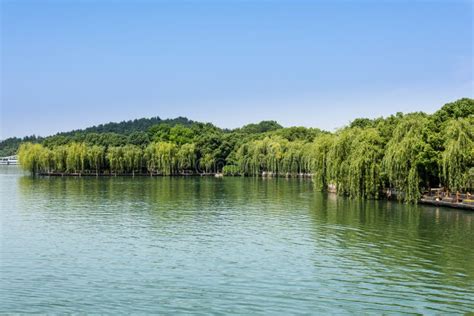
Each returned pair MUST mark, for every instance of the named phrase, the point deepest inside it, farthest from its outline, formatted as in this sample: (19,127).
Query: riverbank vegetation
(403,152)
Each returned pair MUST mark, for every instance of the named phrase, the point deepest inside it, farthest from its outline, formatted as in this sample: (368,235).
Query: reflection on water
(232,245)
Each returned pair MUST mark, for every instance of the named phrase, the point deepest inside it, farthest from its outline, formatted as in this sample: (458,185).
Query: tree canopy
(401,152)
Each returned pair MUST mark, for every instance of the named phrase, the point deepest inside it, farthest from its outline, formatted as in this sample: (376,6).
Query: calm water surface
(232,245)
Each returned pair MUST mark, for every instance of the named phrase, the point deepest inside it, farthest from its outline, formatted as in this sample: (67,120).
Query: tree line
(402,152)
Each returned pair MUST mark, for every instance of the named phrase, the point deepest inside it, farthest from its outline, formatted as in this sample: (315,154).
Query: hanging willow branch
(401,157)
(322,146)
(458,156)
(364,161)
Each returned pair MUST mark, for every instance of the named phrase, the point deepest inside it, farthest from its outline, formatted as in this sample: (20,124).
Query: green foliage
(76,155)
(181,135)
(291,157)
(186,157)
(161,157)
(59,158)
(403,158)
(402,152)
(95,154)
(30,156)
(362,123)
(138,138)
(231,170)
(207,163)
(462,108)
(320,161)
(274,156)
(338,162)
(262,127)
(129,127)
(350,161)
(10,146)
(458,157)
(159,132)
(115,159)
(132,158)
(364,164)
(297,133)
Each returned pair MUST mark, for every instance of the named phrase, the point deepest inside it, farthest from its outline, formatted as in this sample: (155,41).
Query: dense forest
(403,152)
(10,146)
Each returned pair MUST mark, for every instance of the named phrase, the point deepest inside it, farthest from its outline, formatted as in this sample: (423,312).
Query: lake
(231,245)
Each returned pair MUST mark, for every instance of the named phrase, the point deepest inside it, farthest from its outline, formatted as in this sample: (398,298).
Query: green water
(232,245)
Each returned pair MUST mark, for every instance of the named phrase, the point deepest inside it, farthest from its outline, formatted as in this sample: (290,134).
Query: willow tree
(338,163)
(365,163)
(161,157)
(166,155)
(274,152)
(115,159)
(261,155)
(470,178)
(402,157)
(132,157)
(207,162)
(186,157)
(292,161)
(320,161)
(307,158)
(257,157)
(29,156)
(59,156)
(149,156)
(458,157)
(76,157)
(96,156)
(46,159)
(242,159)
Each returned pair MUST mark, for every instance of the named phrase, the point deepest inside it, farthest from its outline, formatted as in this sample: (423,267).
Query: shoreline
(425,200)
(141,174)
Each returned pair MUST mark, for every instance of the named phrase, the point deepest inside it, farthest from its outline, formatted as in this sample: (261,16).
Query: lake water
(231,245)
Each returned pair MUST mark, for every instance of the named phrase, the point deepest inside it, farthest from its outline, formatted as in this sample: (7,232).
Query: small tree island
(406,153)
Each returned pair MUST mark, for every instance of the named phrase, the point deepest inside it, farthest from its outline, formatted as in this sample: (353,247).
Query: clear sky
(71,64)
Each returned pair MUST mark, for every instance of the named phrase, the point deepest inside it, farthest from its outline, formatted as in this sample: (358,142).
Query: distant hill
(128,127)
(181,129)
(10,145)
(123,129)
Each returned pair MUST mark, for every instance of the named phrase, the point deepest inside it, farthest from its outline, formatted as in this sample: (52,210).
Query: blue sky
(71,64)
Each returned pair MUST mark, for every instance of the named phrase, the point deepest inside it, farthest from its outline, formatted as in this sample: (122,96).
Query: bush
(231,170)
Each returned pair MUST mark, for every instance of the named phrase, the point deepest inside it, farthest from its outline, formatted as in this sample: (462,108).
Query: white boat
(10,160)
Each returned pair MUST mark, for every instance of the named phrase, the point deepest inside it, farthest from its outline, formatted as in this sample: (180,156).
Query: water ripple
(220,246)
